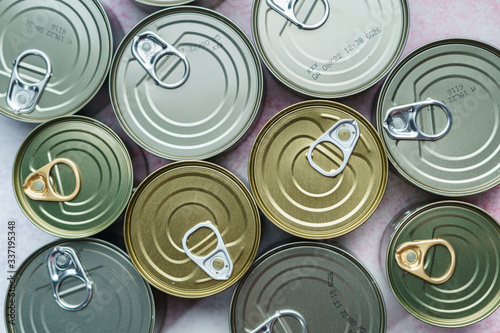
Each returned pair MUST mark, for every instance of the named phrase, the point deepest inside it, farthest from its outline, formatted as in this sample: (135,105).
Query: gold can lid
(318,169)
(192,229)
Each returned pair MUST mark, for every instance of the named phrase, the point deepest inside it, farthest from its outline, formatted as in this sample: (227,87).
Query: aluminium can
(195,103)
(295,192)
(307,287)
(72,176)
(192,229)
(62,52)
(327,48)
(105,295)
(439,119)
(454,248)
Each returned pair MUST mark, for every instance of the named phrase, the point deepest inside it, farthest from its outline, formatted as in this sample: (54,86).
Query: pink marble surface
(430,20)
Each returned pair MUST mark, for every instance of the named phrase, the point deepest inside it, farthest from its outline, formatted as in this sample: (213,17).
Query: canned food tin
(438,116)
(163,3)
(192,229)
(78,286)
(61,52)
(198,101)
(442,262)
(313,286)
(327,48)
(287,169)
(72,176)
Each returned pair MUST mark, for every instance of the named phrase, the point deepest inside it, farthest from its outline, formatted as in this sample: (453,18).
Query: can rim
(278,222)
(130,248)
(146,21)
(42,249)
(290,85)
(382,94)
(24,204)
(407,218)
(165,3)
(99,85)
(305,244)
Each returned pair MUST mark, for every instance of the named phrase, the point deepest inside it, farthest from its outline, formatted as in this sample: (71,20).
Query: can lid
(120,300)
(284,283)
(469,234)
(192,229)
(195,103)
(330,49)
(289,162)
(66,45)
(462,79)
(164,3)
(72,176)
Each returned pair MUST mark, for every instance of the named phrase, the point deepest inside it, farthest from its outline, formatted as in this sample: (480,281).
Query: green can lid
(114,296)
(195,103)
(334,48)
(63,52)
(463,77)
(472,291)
(72,176)
(317,286)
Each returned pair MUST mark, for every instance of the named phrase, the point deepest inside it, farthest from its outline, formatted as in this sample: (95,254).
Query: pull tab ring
(148,48)
(22,97)
(37,185)
(63,262)
(217,264)
(267,326)
(289,13)
(410,257)
(344,135)
(400,122)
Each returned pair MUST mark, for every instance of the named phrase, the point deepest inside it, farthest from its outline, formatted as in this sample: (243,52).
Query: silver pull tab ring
(289,13)
(23,97)
(267,326)
(400,122)
(217,264)
(344,135)
(148,48)
(62,263)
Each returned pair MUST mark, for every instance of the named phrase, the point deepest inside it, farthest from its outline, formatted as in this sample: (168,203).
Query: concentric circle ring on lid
(169,205)
(358,44)
(464,74)
(212,109)
(473,291)
(298,198)
(105,169)
(75,36)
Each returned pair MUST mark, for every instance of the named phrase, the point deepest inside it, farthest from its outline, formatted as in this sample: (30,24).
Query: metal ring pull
(37,185)
(289,13)
(401,121)
(217,264)
(23,97)
(344,135)
(63,262)
(148,48)
(410,257)
(267,326)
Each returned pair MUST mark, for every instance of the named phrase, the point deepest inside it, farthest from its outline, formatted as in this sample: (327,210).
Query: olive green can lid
(465,232)
(192,229)
(72,176)
(106,294)
(317,286)
(63,52)
(299,195)
(328,48)
(452,87)
(195,103)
